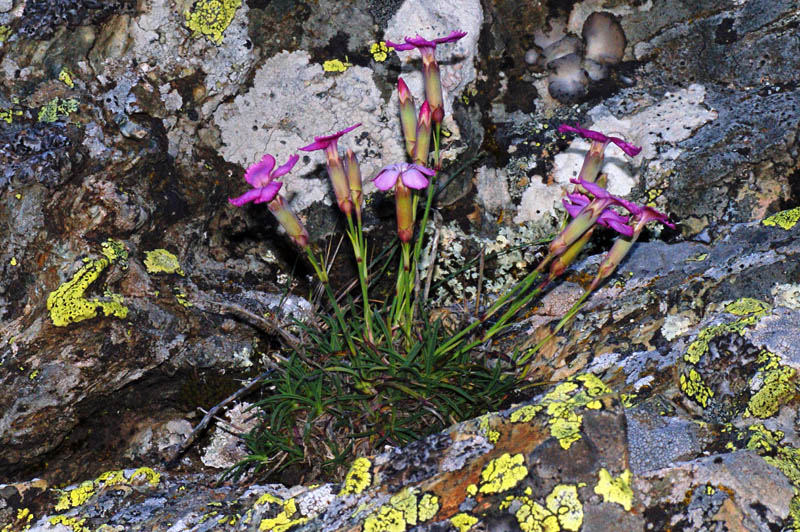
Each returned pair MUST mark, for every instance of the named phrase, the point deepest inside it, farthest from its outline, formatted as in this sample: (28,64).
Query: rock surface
(133,293)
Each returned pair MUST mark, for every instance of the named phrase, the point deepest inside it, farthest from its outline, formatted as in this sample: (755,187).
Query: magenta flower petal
(320,143)
(268,193)
(258,174)
(627,147)
(286,167)
(649,214)
(596,190)
(621,228)
(401,47)
(413,178)
(247,197)
(453,37)
(387,177)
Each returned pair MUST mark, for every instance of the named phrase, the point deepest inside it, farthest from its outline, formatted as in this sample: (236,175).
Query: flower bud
(424,127)
(408,116)
(405,214)
(354,180)
(289,221)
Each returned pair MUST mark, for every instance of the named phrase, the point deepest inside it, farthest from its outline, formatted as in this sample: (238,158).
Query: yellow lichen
(57,108)
(268,498)
(76,496)
(7,115)
(210,18)
(778,387)
(472,490)
(693,385)
(463,522)
(784,219)
(358,478)
(563,510)
(428,506)
(380,51)
(564,503)
(525,414)
(483,427)
(503,473)
(68,304)
(182,300)
(5,33)
(70,522)
(746,306)
(66,77)
(162,261)
(615,489)
(283,521)
(387,519)
(112,478)
(150,476)
(335,65)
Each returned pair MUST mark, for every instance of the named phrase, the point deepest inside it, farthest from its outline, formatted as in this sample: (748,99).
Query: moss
(358,478)
(463,522)
(503,473)
(283,521)
(68,303)
(784,219)
(210,18)
(615,489)
(57,108)
(162,261)
(76,496)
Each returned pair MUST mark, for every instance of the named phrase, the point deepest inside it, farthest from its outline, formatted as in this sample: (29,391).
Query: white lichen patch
(493,192)
(292,101)
(538,200)
(437,19)
(656,128)
(226,449)
(676,325)
(515,257)
(786,295)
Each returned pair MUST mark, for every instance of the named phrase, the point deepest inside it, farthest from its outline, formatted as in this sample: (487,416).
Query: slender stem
(356,235)
(323,277)
(568,316)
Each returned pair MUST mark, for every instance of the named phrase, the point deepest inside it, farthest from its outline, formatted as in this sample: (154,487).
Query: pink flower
(321,143)
(574,203)
(628,148)
(410,174)
(419,42)
(261,177)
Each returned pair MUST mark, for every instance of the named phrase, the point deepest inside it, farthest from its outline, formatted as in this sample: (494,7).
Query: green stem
(356,235)
(323,277)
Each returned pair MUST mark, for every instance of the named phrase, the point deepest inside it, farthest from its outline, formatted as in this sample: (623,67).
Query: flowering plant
(373,373)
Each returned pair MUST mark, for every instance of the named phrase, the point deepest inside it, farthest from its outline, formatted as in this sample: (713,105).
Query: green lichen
(784,219)
(5,33)
(284,520)
(358,478)
(615,489)
(463,522)
(210,18)
(162,261)
(57,108)
(7,115)
(68,303)
(428,506)
(503,473)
